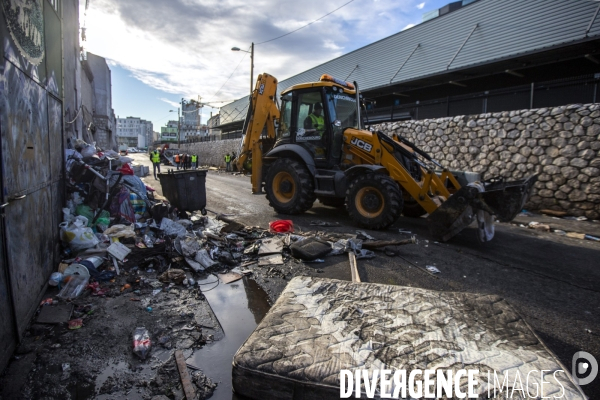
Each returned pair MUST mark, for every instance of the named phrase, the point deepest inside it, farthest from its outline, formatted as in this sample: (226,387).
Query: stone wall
(561,144)
(212,153)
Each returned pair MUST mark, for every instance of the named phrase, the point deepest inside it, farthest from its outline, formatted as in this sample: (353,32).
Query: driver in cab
(315,120)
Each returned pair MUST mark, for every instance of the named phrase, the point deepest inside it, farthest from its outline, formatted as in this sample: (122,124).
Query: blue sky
(161,51)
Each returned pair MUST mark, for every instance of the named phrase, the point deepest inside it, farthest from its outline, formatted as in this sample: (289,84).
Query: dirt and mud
(548,277)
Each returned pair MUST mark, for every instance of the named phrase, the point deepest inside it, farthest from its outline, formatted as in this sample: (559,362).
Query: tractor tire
(374,201)
(412,209)
(289,186)
(336,202)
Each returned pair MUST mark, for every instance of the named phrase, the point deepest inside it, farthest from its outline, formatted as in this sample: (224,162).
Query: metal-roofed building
(231,118)
(474,57)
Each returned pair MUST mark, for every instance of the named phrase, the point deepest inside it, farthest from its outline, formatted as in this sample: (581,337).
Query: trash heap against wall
(561,144)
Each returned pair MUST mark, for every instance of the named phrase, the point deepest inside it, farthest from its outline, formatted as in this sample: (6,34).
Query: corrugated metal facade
(485,34)
(505,29)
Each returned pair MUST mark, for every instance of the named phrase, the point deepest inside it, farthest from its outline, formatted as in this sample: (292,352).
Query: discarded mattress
(319,326)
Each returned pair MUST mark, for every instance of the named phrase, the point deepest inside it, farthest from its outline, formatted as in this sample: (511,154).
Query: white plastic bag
(77,235)
(88,151)
(120,231)
(172,228)
(67,215)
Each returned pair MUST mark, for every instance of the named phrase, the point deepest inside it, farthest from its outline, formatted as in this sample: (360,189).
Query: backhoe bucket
(503,199)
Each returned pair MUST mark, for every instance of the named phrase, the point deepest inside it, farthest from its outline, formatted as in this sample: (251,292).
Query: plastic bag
(67,216)
(77,235)
(141,342)
(120,230)
(88,151)
(172,228)
(126,169)
(87,212)
(111,154)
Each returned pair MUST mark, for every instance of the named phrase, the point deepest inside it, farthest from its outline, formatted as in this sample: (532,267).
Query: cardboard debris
(273,259)
(118,250)
(272,245)
(55,314)
(230,277)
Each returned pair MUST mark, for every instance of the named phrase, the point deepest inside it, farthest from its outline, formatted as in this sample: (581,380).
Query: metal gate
(30,161)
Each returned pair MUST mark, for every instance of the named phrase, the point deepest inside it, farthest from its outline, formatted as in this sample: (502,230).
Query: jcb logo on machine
(361,144)
(261,89)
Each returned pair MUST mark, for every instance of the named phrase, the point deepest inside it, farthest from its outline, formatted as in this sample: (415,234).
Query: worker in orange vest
(176,158)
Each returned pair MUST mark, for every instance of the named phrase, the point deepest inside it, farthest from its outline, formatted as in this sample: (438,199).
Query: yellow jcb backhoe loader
(312,147)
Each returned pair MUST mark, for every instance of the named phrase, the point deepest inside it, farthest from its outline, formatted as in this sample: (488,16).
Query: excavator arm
(262,115)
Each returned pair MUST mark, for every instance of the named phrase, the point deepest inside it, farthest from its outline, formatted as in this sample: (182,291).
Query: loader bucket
(503,199)
(506,199)
(454,215)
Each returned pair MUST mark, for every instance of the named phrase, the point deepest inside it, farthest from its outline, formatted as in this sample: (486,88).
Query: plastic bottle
(141,342)
(55,279)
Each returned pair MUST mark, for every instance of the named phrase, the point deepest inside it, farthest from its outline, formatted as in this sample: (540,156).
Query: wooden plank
(376,244)
(353,267)
(186,381)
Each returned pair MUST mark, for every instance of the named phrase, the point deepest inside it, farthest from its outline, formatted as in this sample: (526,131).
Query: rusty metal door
(30,120)
(31,160)
(8,328)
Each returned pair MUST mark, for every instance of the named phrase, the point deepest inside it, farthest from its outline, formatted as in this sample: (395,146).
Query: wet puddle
(239,307)
(119,369)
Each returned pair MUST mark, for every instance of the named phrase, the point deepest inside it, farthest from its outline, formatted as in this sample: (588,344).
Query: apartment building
(134,132)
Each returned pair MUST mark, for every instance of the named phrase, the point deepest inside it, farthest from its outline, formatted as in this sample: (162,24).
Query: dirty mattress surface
(320,326)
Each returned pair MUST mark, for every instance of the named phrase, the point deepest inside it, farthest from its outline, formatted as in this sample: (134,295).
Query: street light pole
(178,129)
(251,64)
(251,67)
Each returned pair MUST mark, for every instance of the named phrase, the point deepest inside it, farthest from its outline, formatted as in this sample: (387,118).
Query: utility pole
(251,67)
(179,127)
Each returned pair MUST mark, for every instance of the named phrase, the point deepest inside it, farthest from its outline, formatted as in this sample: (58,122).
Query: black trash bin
(186,190)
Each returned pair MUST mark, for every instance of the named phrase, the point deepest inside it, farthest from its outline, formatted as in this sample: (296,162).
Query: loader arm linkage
(262,113)
(451,207)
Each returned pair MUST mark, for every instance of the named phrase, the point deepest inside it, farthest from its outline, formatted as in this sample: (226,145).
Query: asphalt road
(552,281)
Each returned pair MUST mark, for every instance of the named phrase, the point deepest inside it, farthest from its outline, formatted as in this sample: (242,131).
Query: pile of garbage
(175,245)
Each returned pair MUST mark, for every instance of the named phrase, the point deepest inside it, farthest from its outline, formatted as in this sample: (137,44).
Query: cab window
(311,132)
(342,111)
(286,116)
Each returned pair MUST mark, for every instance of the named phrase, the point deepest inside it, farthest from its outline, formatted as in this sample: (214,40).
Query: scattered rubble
(130,270)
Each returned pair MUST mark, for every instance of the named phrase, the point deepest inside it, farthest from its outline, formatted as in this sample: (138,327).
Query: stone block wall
(212,153)
(561,145)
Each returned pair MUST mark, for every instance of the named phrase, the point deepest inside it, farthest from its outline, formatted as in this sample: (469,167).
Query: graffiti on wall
(25,22)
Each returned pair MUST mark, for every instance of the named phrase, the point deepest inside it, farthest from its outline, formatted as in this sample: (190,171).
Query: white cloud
(173,104)
(420,6)
(329,44)
(182,47)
